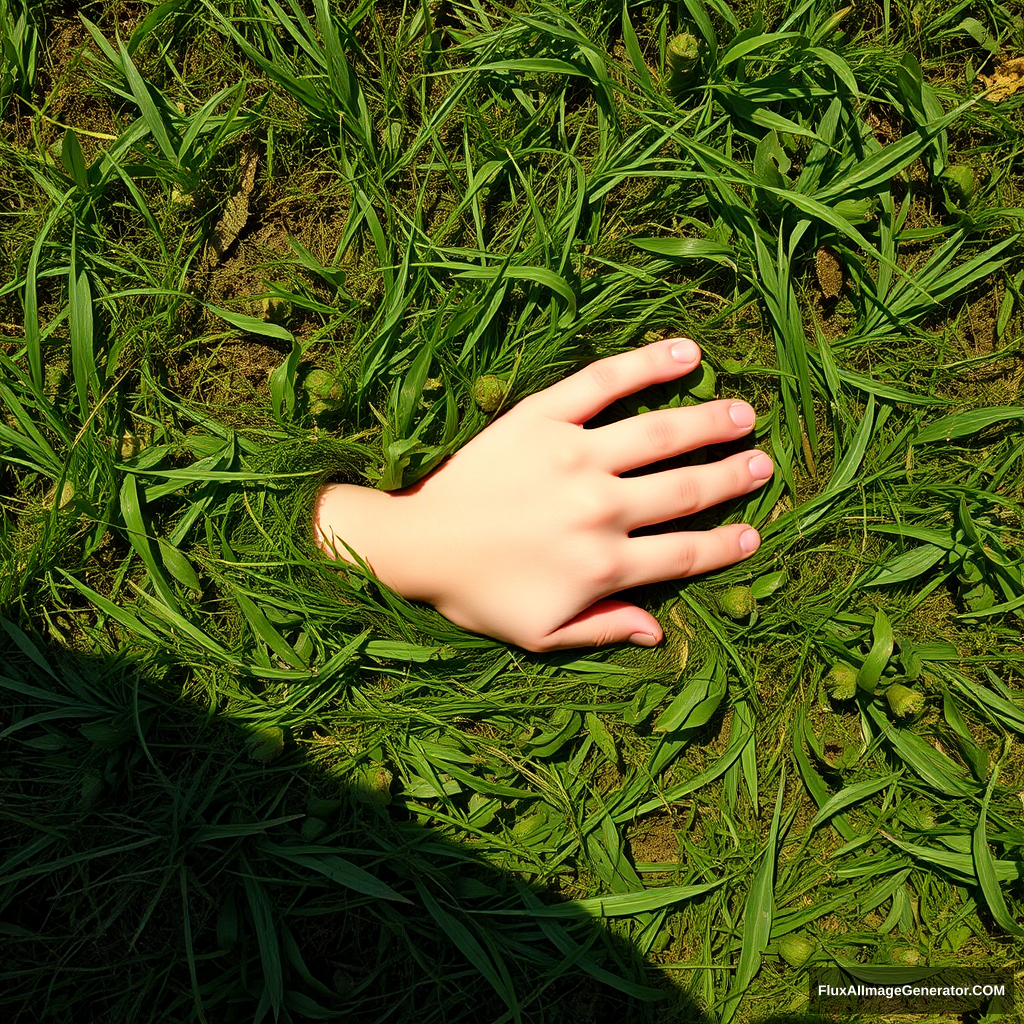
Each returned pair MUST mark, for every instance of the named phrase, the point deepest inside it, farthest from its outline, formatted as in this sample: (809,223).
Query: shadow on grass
(158,863)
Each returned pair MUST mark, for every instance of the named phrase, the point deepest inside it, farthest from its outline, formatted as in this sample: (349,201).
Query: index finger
(583,395)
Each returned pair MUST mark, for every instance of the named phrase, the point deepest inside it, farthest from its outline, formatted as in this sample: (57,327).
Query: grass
(246,242)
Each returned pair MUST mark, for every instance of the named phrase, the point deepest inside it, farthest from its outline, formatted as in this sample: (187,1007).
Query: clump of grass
(239,783)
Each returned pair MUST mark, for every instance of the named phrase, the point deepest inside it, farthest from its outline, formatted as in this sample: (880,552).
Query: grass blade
(758,913)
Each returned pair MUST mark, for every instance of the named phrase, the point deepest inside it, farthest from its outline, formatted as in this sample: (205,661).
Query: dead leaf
(1005,80)
(236,211)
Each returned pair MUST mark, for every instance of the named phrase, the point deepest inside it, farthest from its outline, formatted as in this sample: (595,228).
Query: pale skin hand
(523,534)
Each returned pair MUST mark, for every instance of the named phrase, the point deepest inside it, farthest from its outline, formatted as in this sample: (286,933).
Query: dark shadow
(158,862)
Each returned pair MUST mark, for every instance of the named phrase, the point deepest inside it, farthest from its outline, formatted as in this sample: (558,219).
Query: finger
(606,622)
(658,497)
(671,556)
(583,395)
(664,433)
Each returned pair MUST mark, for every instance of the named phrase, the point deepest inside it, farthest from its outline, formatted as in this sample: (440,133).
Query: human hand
(524,533)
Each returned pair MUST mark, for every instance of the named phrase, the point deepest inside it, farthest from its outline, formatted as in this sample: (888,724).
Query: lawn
(248,245)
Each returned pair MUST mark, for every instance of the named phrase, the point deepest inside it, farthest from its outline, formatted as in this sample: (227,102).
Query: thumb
(607,622)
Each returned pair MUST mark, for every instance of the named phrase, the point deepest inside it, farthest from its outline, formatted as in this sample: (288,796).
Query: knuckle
(689,494)
(604,569)
(660,435)
(685,561)
(592,509)
(604,375)
(567,462)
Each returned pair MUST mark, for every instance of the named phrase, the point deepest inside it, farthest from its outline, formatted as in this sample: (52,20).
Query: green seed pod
(321,384)
(960,181)
(489,392)
(856,211)
(313,829)
(797,949)
(923,817)
(841,681)
(373,785)
(904,701)
(682,55)
(267,744)
(736,602)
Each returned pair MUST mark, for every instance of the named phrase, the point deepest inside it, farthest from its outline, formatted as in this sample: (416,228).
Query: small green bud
(681,57)
(841,681)
(266,744)
(703,383)
(856,211)
(732,366)
(322,385)
(489,392)
(904,701)
(682,52)
(796,950)
(923,817)
(313,829)
(736,602)
(373,785)
(960,181)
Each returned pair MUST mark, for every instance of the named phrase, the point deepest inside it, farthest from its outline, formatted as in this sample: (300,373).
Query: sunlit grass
(247,247)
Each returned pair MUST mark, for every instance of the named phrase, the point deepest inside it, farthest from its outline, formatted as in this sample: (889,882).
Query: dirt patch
(654,840)
(231,376)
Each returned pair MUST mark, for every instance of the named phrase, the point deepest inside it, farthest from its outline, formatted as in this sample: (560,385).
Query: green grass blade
(985,869)
(266,936)
(150,115)
(758,913)
(80,320)
(852,795)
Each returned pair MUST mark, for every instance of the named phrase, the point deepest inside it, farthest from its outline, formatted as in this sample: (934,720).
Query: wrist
(383,528)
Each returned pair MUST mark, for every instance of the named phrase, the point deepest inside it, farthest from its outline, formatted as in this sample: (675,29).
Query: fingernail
(750,541)
(685,351)
(761,466)
(643,639)
(741,414)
